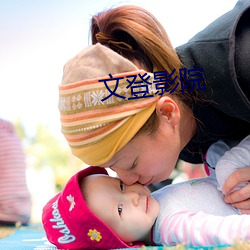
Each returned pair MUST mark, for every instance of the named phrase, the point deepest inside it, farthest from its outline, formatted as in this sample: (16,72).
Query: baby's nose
(133,198)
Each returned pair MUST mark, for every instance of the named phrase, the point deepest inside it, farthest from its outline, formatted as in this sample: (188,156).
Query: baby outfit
(194,212)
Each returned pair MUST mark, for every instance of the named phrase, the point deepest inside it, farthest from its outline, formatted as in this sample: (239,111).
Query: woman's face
(148,159)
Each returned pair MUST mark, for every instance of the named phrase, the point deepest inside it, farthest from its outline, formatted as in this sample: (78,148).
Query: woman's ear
(168,109)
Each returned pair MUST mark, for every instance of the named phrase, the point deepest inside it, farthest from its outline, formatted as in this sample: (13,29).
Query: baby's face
(130,211)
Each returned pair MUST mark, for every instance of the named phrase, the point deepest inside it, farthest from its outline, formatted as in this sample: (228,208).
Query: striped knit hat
(100,110)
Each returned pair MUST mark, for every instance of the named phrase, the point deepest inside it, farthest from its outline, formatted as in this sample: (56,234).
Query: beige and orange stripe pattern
(96,129)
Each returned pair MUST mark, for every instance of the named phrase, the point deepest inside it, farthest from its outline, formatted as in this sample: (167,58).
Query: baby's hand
(241,197)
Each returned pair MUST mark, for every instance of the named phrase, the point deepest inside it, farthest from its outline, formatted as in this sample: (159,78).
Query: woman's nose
(126,177)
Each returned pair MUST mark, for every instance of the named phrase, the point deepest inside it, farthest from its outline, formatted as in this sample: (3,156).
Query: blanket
(33,237)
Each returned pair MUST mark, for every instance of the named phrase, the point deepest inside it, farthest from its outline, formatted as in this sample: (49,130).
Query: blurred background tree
(44,150)
(50,164)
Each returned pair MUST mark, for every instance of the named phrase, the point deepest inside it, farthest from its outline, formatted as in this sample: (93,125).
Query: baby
(96,211)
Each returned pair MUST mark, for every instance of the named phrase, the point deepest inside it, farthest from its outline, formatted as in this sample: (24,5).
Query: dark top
(222,50)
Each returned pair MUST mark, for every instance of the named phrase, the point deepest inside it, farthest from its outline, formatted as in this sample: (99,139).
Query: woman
(130,135)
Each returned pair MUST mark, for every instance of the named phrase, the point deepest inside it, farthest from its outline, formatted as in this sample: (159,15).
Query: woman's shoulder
(209,50)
